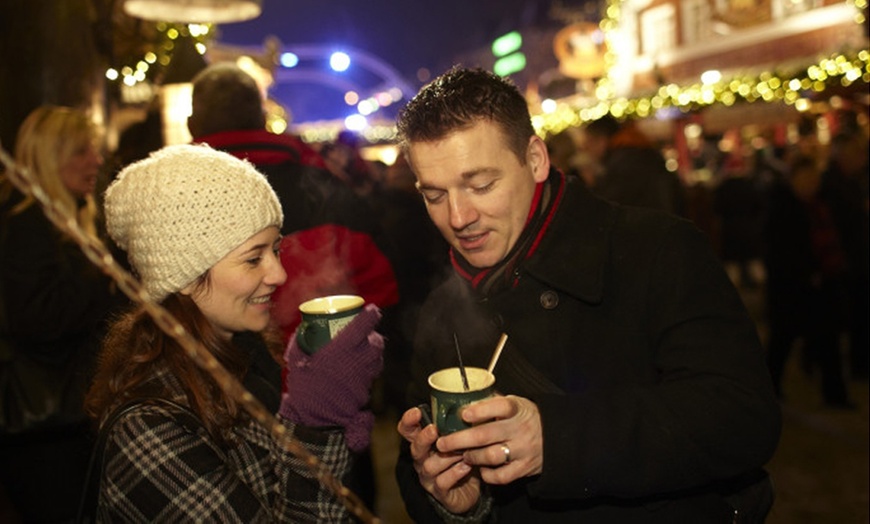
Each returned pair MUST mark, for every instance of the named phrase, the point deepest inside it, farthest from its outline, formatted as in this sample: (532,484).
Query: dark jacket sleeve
(53,295)
(708,414)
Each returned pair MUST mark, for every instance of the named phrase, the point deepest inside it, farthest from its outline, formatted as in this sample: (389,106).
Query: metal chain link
(100,256)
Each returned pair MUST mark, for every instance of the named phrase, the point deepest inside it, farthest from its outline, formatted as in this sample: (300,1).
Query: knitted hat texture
(182,209)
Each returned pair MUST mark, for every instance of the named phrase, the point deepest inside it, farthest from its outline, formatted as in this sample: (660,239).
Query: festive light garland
(841,69)
(132,75)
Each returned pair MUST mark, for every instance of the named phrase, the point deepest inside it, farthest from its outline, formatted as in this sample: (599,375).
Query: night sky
(406,34)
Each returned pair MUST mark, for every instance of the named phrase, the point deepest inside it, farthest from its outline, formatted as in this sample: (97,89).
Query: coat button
(549,299)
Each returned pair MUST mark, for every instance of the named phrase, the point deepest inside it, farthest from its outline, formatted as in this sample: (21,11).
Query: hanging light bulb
(194,11)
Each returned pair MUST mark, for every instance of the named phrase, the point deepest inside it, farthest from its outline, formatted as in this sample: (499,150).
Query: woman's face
(79,173)
(238,297)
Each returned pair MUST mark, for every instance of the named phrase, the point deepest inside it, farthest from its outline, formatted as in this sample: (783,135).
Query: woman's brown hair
(135,349)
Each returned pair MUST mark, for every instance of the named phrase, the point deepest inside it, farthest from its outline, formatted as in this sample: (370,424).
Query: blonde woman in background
(53,305)
(60,147)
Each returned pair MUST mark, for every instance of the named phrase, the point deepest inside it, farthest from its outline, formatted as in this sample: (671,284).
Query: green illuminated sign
(510,64)
(507,44)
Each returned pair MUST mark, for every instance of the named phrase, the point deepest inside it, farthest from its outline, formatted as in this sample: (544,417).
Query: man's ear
(538,158)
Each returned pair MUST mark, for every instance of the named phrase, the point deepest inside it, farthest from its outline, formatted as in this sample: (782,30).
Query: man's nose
(462,212)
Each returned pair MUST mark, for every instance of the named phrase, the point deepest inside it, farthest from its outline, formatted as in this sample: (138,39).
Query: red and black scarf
(548,195)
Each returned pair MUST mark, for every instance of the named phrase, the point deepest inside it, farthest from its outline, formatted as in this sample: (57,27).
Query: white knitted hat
(181,210)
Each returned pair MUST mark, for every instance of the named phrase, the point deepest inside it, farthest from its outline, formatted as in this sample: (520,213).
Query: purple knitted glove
(331,387)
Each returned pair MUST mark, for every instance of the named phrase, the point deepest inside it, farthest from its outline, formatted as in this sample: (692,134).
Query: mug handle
(301,339)
(426,415)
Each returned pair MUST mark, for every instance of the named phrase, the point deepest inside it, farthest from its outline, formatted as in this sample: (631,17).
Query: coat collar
(573,255)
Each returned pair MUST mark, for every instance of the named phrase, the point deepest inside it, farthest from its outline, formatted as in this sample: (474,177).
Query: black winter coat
(55,302)
(648,373)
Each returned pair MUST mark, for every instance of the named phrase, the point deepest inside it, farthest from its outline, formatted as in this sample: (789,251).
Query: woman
(201,229)
(53,306)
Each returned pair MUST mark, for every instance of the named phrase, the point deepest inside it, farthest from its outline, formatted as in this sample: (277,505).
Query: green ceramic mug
(323,318)
(449,397)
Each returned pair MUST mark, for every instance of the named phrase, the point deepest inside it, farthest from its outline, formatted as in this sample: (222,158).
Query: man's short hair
(225,98)
(460,98)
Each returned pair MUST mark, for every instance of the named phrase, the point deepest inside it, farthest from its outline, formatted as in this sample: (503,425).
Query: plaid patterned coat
(160,465)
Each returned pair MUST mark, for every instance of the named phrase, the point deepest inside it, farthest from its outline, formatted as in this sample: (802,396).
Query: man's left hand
(506,441)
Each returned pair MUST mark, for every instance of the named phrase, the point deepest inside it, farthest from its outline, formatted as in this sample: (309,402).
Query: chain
(100,256)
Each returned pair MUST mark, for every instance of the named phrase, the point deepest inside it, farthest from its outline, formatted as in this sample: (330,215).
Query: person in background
(54,305)
(569,158)
(420,265)
(739,205)
(806,268)
(632,170)
(138,140)
(344,161)
(201,229)
(332,243)
(845,184)
(632,387)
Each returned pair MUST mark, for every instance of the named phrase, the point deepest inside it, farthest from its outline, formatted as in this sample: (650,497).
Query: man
(633,171)
(332,243)
(633,385)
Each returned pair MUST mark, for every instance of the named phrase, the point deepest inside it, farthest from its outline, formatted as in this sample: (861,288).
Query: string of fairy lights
(135,79)
(843,69)
(793,88)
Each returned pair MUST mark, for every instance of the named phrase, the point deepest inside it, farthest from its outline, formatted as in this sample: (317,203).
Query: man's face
(476,190)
